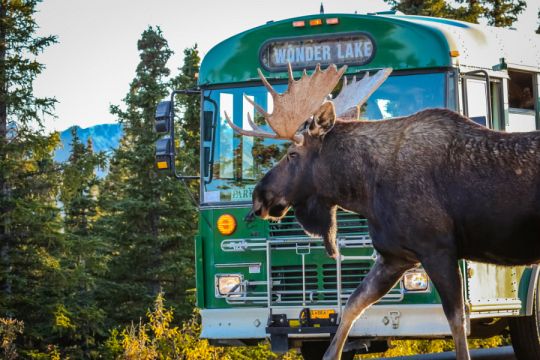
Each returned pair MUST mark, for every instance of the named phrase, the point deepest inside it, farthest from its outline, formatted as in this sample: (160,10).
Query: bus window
(241,160)
(497,109)
(226,138)
(521,114)
(404,95)
(477,101)
(248,167)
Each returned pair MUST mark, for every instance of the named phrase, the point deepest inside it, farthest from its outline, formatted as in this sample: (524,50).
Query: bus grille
(287,282)
(302,275)
(348,224)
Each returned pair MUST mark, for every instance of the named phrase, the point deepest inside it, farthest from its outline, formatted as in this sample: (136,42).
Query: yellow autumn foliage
(159,339)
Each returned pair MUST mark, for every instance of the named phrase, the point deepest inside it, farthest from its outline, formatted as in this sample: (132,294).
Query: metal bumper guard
(378,321)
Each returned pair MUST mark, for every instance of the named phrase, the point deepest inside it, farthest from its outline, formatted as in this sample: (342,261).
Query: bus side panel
(199,272)
(202,254)
(493,288)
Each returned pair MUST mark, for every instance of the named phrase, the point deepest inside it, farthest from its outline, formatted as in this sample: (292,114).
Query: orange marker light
(226,224)
(300,23)
(332,21)
(454,53)
(162,165)
(315,22)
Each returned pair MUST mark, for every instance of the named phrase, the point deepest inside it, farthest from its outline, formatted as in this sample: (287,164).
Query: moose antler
(355,94)
(292,108)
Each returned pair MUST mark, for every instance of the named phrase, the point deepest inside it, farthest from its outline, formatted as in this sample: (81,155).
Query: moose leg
(443,270)
(380,279)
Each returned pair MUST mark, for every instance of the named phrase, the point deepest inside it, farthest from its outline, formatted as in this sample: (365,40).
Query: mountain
(105,137)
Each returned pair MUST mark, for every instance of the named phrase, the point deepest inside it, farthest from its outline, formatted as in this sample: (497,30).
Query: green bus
(269,280)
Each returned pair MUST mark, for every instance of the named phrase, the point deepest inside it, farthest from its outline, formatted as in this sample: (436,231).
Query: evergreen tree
(538,30)
(470,11)
(188,109)
(149,220)
(85,258)
(30,224)
(502,13)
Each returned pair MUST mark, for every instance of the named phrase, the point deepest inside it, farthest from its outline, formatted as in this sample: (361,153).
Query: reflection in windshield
(240,161)
(405,95)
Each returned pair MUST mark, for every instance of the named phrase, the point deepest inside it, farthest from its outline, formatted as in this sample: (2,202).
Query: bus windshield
(240,161)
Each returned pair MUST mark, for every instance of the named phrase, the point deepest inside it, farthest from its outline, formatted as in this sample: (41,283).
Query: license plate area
(317,317)
(321,314)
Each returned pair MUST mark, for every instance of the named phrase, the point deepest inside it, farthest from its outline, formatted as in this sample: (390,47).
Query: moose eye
(292,155)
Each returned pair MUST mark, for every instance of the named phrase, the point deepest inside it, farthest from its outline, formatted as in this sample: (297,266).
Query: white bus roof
(482,46)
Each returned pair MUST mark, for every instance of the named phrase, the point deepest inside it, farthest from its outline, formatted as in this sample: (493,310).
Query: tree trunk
(5,287)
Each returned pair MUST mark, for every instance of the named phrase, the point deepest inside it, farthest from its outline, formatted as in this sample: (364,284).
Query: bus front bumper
(380,321)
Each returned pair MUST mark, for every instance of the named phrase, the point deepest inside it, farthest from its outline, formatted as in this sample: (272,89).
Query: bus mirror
(208,118)
(163,117)
(206,159)
(164,153)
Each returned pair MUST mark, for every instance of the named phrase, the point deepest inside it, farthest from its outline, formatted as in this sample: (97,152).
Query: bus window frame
(477,75)
(535,89)
(453,76)
(536,84)
(501,122)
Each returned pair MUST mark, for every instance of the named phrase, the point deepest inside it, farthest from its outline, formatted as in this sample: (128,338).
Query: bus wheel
(314,350)
(525,333)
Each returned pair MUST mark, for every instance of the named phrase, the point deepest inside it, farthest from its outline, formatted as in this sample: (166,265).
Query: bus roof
(482,46)
(402,42)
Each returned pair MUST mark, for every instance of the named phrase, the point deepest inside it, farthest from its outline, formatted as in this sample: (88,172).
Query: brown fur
(435,187)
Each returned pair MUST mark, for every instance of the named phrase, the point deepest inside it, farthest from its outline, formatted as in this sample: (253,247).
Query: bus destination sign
(305,53)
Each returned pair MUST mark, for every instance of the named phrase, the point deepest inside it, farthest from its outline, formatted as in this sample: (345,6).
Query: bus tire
(525,333)
(314,350)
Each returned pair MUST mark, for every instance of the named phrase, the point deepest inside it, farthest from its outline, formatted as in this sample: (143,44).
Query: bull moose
(434,186)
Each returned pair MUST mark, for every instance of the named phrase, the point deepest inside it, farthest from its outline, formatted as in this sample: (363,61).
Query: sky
(95,58)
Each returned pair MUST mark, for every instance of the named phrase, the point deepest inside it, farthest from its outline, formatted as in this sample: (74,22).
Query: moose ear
(323,120)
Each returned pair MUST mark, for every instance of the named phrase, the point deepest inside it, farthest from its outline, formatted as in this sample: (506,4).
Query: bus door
(490,289)
(483,99)
(477,97)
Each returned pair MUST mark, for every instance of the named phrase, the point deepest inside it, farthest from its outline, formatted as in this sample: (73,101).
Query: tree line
(84,258)
(80,255)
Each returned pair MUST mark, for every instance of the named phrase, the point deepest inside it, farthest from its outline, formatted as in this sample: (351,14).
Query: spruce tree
(30,224)
(85,257)
(188,111)
(538,30)
(470,11)
(148,219)
(501,13)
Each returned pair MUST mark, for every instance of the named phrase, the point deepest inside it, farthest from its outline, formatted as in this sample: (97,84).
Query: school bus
(268,280)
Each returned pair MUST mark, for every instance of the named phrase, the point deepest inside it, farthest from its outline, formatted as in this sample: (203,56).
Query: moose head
(298,179)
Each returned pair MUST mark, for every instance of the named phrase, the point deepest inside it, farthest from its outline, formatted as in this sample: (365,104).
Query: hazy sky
(93,63)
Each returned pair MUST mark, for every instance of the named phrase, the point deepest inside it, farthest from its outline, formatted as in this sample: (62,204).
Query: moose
(435,187)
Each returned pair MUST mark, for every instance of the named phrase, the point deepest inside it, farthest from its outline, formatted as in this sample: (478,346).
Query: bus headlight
(228,285)
(415,280)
